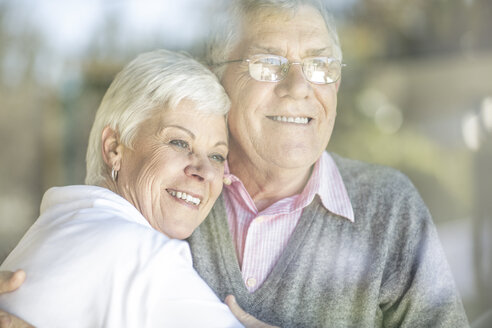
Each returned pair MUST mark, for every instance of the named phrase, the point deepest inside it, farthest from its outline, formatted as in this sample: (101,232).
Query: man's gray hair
(152,81)
(226,32)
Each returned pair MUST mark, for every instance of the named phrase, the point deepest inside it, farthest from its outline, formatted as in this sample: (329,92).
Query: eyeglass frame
(288,64)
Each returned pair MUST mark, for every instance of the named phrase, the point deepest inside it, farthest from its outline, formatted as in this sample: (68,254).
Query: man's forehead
(277,23)
(278,32)
(285,42)
(317,50)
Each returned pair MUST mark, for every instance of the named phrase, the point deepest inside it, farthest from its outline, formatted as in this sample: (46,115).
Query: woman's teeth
(184,196)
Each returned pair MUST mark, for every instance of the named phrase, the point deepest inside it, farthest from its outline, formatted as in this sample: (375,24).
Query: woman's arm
(245,318)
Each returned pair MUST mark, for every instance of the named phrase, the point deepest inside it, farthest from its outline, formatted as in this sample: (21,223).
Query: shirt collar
(325,181)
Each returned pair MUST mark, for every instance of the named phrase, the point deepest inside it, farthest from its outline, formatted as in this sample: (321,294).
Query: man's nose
(200,168)
(294,84)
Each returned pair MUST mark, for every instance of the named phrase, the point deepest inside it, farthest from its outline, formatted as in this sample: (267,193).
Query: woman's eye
(218,158)
(180,143)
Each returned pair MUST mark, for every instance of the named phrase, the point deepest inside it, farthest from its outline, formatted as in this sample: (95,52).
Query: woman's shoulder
(84,224)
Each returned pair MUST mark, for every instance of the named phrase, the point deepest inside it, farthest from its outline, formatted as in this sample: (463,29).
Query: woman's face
(174,173)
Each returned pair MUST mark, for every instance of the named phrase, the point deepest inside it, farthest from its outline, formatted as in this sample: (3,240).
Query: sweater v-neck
(229,260)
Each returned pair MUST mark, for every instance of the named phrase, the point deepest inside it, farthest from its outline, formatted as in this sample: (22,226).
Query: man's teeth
(184,196)
(298,120)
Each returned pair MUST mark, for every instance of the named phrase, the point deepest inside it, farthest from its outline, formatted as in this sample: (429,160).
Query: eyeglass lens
(321,70)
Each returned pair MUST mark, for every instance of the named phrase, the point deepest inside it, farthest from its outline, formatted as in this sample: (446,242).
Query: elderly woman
(107,253)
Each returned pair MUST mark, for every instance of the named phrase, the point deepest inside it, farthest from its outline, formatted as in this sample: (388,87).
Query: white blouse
(92,260)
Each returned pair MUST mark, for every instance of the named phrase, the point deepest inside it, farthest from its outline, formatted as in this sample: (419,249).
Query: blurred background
(416,95)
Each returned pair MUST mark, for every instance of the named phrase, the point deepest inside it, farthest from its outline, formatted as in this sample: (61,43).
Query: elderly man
(301,237)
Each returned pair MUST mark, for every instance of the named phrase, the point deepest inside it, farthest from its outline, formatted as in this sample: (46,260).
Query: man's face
(257,131)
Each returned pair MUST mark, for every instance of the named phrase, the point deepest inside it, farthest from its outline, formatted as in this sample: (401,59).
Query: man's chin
(291,159)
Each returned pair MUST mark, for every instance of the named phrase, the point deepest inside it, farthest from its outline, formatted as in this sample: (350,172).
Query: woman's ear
(111,148)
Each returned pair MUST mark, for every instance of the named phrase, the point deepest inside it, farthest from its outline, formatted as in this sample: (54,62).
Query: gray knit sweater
(387,269)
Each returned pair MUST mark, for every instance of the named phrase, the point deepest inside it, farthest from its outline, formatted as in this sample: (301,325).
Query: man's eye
(180,143)
(218,158)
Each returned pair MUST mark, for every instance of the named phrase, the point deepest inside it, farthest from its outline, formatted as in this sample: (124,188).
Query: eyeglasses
(273,68)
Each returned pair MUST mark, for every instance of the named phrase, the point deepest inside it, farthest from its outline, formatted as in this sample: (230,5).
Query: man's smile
(291,119)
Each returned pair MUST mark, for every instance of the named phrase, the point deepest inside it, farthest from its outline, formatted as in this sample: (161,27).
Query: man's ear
(337,83)
(111,148)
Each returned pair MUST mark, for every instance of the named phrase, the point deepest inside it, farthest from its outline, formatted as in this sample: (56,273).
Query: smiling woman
(178,158)
(101,254)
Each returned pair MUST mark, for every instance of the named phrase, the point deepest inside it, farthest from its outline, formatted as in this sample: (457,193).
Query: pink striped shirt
(260,237)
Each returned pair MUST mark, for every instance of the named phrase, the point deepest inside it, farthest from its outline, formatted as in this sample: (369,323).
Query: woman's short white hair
(150,82)
(226,32)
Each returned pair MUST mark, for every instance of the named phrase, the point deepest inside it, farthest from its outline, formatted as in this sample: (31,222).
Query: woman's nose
(200,168)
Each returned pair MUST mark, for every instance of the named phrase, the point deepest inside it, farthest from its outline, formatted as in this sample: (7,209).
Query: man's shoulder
(382,195)
(358,173)
(364,181)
